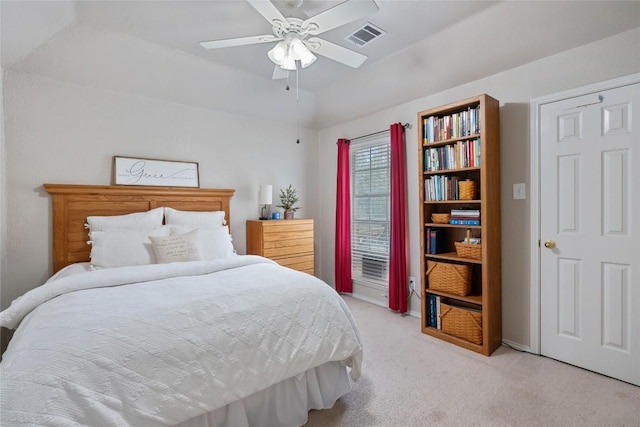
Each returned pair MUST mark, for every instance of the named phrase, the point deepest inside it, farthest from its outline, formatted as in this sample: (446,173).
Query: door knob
(549,244)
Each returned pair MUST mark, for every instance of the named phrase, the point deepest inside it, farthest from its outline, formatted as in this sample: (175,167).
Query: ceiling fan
(295,37)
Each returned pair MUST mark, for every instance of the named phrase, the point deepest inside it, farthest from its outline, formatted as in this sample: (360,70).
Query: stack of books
(455,125)
(461,154)
(435,241)
(441,187)
(433,319)
(465,217)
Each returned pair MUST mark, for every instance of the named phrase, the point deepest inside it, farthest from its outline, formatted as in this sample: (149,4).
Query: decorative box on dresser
(459,160)
(289,242)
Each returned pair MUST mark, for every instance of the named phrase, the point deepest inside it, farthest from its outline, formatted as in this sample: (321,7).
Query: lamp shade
(265,195)
(277,54)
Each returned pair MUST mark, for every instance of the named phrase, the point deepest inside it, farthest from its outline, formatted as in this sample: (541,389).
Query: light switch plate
(518,191)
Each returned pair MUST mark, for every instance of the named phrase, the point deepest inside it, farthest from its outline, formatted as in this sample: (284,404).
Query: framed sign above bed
(165,173)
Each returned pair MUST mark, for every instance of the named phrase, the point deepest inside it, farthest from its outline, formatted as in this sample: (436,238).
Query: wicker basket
(467,190)
(440,218)
(462,323)
(468,250)
(451,278)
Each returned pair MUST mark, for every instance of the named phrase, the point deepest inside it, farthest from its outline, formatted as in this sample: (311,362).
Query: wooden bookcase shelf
(452,155)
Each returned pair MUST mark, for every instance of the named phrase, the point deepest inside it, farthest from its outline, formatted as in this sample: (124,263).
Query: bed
(230,340)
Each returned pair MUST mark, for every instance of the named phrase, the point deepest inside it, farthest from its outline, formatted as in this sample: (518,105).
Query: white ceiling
(181,25)
(429,46)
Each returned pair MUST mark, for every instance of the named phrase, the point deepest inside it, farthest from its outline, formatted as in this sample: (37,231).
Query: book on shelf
(432,310)
(465,212)
(433,318)
(441,187)
(436,241)
(460,221)
(458,155)
(456,125)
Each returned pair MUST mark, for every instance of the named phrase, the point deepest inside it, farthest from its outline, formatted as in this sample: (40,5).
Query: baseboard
(517,346)
(369,300)
(416,314)
(412,313)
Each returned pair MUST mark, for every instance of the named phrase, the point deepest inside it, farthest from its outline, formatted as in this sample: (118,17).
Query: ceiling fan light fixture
(278,53)
(288,63)
(297,48)
(307,58)
(288,51)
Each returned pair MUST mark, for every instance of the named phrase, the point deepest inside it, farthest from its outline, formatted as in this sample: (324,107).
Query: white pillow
(120,247)
(215,242)
(143,220)
(177,248)
(194,219)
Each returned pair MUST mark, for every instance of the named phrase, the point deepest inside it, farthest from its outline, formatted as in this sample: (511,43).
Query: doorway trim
(534,189)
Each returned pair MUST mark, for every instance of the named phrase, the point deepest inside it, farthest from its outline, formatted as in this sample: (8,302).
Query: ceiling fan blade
(335,52)
(346,12)
(268,10)
(240,41)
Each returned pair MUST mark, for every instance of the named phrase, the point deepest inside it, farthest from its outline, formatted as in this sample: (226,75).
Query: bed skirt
(285,404)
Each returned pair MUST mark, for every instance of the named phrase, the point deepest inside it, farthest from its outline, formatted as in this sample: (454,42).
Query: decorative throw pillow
(142,220)
(194,218)
(215,242)
(177,248)
(120,247)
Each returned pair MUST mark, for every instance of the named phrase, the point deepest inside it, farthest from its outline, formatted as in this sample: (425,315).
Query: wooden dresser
(289,242)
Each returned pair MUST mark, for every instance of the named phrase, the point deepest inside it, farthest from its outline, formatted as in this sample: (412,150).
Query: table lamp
(265,198)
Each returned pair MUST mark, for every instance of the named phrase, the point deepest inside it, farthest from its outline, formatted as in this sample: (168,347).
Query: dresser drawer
(288,250)
(278,226)
(285,235)
(301,263)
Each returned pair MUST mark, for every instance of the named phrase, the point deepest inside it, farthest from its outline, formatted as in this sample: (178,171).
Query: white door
(590,211)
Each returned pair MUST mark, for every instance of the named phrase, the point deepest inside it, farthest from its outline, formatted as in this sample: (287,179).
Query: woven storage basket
(467,190)
(465,324)
(451,278)
(467,250)
(440,218)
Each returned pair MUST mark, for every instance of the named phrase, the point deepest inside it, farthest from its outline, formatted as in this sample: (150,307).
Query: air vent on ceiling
(365,34)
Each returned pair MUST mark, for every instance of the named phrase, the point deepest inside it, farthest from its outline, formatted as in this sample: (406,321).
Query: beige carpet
(411,379)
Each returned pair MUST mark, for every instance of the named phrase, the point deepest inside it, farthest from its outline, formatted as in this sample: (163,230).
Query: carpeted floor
(411,379)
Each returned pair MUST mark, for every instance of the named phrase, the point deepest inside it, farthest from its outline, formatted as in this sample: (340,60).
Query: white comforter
(160,344)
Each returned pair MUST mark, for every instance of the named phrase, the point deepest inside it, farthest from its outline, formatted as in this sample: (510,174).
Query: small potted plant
(288,200)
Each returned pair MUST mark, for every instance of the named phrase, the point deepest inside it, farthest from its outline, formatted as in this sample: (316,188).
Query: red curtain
(398,245)
(343,220)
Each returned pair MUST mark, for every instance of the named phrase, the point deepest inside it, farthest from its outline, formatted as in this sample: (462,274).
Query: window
(370,198)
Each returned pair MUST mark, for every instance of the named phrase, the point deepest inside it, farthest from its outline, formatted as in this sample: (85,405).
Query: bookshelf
(459,162)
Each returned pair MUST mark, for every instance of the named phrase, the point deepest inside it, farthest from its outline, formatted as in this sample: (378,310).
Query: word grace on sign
(134,171)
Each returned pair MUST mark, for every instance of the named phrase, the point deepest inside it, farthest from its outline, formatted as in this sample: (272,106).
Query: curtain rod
(406,126)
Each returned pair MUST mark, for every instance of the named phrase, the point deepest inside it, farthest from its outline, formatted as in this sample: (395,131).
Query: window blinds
(370,170)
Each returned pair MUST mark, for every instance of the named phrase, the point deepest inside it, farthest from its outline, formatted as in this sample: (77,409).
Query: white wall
(609,58)
(3,169)
(63,133)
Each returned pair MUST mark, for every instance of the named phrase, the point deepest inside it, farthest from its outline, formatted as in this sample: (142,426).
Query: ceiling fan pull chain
(297,111)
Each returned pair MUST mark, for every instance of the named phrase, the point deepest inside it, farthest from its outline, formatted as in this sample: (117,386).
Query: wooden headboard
(72,204)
